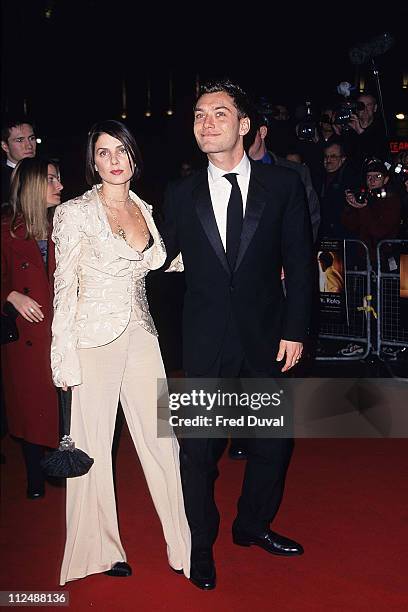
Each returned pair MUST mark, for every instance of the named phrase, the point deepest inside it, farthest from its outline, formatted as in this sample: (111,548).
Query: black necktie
(234,220)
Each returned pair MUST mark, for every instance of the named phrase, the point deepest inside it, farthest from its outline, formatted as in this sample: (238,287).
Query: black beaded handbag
(67,461)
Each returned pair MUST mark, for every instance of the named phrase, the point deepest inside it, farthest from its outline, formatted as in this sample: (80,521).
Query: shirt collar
(243,168)
(10,164)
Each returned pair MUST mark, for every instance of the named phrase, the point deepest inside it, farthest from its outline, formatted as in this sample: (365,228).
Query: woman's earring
(96,168)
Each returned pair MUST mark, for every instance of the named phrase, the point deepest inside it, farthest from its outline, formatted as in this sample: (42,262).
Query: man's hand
(355,124)
(293,352)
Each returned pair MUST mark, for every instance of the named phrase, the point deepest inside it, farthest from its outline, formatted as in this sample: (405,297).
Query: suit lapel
(205,212)
(255,205)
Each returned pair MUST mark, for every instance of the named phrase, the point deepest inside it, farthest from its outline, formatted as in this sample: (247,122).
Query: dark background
(66,61)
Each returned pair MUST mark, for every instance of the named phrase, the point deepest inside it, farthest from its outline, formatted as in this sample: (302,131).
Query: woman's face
(112,161)
(54,187)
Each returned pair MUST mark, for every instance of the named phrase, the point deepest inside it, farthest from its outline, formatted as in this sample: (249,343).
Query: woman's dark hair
(238,95)
(118,130)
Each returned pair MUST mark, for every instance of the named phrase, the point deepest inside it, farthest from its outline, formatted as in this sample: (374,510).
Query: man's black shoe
(237,453)
(202,571)
(121,569)
(36,493)
(269,541)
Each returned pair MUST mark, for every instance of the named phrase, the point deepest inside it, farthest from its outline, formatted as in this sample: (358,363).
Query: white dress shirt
(220,191)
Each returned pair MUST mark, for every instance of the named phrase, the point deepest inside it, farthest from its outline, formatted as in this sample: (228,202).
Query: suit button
(29,343)
(26,290)
(232,287)
(25,265)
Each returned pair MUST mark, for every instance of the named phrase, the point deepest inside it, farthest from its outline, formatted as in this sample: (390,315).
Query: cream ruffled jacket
(99,279)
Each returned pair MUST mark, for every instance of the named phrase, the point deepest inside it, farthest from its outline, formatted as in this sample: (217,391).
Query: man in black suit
(236,224)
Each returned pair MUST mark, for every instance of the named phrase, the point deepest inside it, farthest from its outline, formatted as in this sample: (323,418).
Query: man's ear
(263,130)
(244,126)
(4,146)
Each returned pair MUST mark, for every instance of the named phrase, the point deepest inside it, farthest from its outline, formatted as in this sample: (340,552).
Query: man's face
(21,143)
(217,127)
(281,113)
(333,158)
(366,116)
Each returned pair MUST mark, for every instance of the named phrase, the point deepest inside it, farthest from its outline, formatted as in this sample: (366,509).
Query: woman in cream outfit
(105,347)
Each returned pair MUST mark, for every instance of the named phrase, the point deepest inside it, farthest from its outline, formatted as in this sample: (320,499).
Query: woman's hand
(351,200)
(26,306)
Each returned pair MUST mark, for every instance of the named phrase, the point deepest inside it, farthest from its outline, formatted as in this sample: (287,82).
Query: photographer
(378,215)
(364,130)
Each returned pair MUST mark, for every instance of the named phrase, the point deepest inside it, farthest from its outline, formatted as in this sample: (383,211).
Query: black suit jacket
(5,181)
(276,232)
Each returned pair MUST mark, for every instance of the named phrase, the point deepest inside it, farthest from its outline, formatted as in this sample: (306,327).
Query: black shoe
(36,493)
(235,452)
(121,569)
(202,572)
(269,541)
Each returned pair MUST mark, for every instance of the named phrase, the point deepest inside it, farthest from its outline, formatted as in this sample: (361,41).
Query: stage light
(148,113)
(123,115)
(400,116)
(38,140)
(169,112)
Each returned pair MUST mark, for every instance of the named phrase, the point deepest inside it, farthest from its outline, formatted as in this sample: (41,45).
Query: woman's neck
(115,196)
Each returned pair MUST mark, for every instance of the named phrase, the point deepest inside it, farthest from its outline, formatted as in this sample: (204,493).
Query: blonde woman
(105,348)
(28,265)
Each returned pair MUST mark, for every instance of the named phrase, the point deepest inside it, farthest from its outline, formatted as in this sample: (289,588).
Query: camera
(343,113)
(378,193)
(306,129)
(361,195)
(401,172)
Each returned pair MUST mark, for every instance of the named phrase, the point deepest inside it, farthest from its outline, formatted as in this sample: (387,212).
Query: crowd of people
(74,274)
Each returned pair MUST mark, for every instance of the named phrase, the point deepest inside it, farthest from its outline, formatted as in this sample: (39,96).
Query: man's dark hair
(339,143)
(118,130)
(326,258)
(238,95)
(13,121)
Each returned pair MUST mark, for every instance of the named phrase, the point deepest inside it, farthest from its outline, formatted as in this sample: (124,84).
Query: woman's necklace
(134,208)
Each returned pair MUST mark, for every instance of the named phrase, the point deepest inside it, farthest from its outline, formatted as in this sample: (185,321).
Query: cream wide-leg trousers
(127,368)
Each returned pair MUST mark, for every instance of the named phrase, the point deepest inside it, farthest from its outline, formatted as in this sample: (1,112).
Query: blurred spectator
(280,112)
(339,175)
(378,216)
(255,144)
(28,265)
(186,168)
(17,141)
(280,125)
(326,132)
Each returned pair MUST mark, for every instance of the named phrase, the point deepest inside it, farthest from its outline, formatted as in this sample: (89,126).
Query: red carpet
(346,501)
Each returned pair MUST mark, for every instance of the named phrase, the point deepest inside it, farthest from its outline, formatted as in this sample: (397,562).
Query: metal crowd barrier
(392,327)
(358,287)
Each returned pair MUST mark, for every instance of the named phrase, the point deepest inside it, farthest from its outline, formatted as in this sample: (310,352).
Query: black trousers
(267,463)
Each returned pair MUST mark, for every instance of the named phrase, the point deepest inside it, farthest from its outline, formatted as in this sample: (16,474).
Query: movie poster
(331,258)
(403,293)
(404,276)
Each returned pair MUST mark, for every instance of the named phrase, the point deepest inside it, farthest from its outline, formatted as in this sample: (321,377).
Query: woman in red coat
(28,265)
